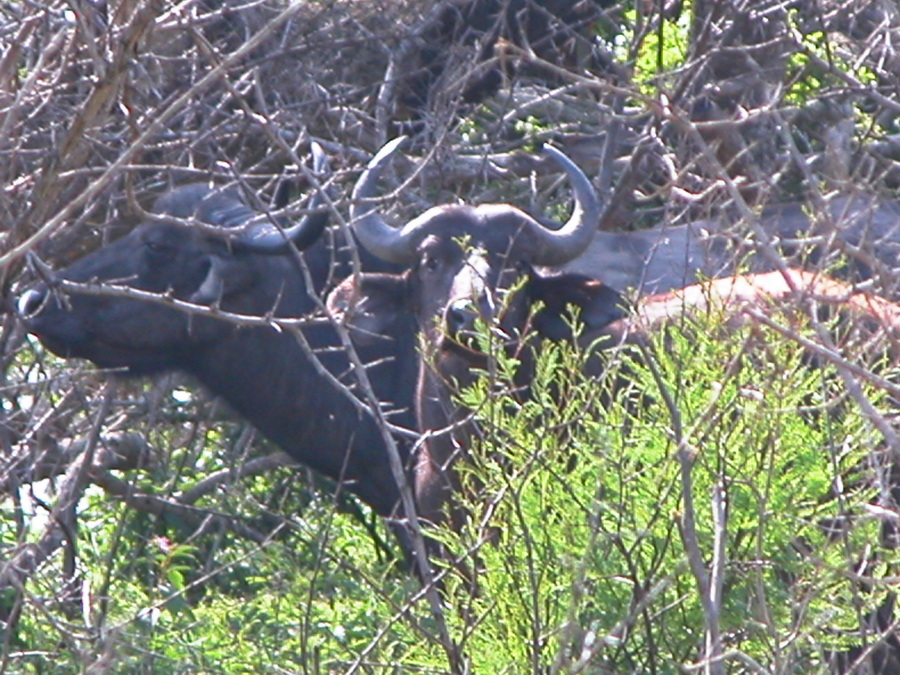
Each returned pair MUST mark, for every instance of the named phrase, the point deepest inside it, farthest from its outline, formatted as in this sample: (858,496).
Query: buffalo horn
(557,247)
(269,239)
(379,238)
(398,245)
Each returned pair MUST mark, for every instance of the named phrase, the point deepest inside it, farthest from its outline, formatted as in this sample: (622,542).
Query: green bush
(586,502)
(578,540)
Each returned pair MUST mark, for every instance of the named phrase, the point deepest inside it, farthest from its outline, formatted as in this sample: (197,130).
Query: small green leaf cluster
(654,51)
(811,69)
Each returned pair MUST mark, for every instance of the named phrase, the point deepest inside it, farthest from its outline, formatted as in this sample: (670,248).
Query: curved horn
(213,285)
(271,240)
(379,238)
(556,247)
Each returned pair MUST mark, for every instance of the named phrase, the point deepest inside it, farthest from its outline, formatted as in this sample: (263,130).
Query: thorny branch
(93,105)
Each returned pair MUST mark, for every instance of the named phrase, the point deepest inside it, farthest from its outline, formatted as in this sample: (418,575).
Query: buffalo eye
(431,263)
(156,249)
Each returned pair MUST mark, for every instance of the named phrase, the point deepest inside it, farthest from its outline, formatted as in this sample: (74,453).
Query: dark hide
(667,257)
(261,372)
(560,298)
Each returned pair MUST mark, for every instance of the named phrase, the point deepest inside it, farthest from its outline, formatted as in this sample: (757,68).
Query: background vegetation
(144,529)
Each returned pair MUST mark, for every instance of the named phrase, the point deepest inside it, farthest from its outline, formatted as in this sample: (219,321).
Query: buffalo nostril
(31,302)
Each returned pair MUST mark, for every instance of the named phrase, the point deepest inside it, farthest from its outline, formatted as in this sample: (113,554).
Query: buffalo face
(205,247)
(466,265)
(117,331)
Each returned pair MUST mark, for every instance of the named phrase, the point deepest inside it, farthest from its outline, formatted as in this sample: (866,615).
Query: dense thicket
(144,529)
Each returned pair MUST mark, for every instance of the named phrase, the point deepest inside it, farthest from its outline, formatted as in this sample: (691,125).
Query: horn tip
(387,150)
(319,158)
(553,151)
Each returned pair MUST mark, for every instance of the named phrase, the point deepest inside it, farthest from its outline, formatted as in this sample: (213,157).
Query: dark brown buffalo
(466,264)
(461,264)
(463,261)
(262,372)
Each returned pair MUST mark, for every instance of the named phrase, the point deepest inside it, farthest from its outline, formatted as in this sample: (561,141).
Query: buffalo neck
(274,387)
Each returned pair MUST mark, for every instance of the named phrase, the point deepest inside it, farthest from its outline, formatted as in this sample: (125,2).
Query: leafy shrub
(586,505)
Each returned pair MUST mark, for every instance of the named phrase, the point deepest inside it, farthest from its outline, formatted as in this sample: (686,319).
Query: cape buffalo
(461,260)
(471,263)
(221,259)
(477,264)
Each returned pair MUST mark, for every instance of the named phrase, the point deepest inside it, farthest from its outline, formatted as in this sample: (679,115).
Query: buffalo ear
(598,304)
(369,304)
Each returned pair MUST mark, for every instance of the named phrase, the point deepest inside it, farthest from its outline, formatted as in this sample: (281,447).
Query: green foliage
(586,504)
(809,78)
(656,50)
(532,127)
(577,537)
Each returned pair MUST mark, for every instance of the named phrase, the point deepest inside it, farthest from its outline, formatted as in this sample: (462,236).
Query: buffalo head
(467,263)
(135,305)
(464,260)
(203,245)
